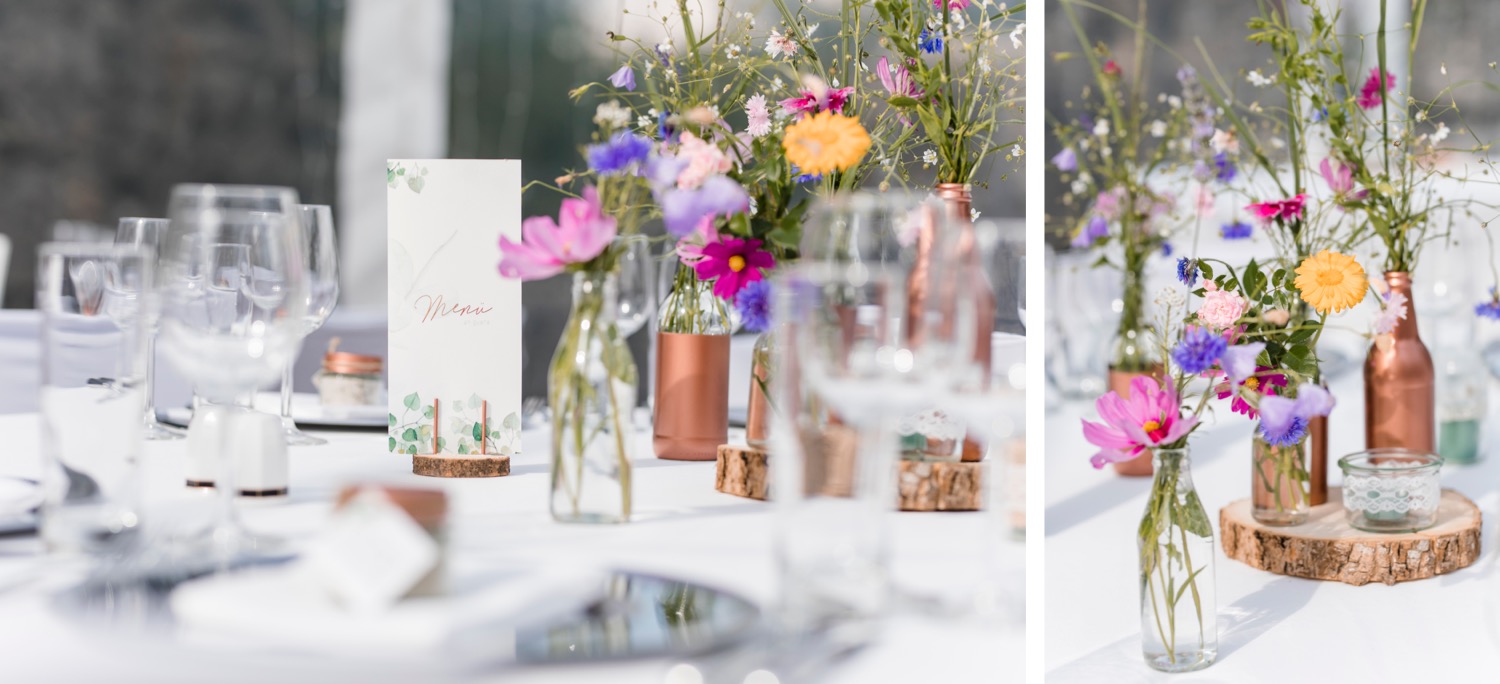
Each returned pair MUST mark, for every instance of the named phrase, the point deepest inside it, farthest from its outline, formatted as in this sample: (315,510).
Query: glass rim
(1356,462)
(234,189)
(64,248)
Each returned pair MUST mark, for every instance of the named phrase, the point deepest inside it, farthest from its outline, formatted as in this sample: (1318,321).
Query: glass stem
(148,387)
(227,525)
(286,390)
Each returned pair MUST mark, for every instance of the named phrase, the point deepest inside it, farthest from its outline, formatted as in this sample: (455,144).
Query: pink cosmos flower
(1372,93)
(952,4)
(758,117)
(1340,180)
(690,247)
(732,264)
(897,80)
(1278,209)
(1150,418)
(832,100)
(1221,308)
(704,159)
(581,233)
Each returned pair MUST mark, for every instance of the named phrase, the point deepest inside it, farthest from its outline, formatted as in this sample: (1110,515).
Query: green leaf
(1194,520)
(424,431)
(392,447)
(512,422)
(903,101)
(392,420)
(412,450)
(410,435)
(478,432)
(463,447)
(1208,271)
(442,443)
(427,412)
(411,401)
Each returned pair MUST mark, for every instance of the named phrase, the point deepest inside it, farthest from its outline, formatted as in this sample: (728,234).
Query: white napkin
(289,608)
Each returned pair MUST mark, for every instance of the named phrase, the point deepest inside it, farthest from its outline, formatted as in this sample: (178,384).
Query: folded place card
(455,324)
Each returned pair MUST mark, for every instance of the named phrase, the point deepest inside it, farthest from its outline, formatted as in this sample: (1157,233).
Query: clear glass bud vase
(1278,483)
(1178,614)
(592,388)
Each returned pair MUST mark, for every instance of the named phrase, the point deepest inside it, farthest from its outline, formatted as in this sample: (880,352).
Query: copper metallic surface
(1400,401)
(1119,383)
(1268,505)
(692,396)
(345,363)
(1317,461)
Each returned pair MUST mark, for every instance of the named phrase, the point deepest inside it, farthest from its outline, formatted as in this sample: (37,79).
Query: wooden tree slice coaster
(922,485)
(742,471)
(1327,548)
(455,465)
(940,485)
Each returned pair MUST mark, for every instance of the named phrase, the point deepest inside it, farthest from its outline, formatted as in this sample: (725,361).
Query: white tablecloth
(682,528)
(1271,628)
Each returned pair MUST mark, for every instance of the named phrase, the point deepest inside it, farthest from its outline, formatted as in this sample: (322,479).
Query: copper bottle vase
(1119,383)
(959,199)
(1400,394)
(692,396)
(758,411)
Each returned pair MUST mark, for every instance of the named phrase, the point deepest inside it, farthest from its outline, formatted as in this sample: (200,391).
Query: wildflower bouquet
(1122,159)
(951,70)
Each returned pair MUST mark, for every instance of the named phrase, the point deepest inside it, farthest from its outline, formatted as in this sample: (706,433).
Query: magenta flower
(624,77)
(732,264)
(1279,209)
(832,100)
(952,4)
(1264,382)
(1150,418)
(581,233)
(1372,93)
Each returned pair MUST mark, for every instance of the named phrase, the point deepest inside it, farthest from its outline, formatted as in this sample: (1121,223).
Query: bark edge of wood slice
(1327,548)
(921,485)
(460,465)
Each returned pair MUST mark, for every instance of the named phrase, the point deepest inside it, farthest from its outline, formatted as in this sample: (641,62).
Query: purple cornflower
(1224,167)
(624,152)
(1166,249)
(754,306)
(1187,271)
(930,42)
(1289,435)
(1239,230)
(1489,309)
(1199,350)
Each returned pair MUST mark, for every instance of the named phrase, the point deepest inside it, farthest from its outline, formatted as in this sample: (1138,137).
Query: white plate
(307,410)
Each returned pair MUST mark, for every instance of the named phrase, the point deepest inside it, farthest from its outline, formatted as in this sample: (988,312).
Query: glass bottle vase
(1179,631)
(1279,483)
(591,389)
(757,418)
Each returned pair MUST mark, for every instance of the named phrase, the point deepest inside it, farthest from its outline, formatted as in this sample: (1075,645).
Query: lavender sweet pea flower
(1066,160)
(624,77)
(682,210)
(1239,360)
(1096,229)
(1313,400)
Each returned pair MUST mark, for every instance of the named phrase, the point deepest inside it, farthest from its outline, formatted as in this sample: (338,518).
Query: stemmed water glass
(232,317)
(636,279)
(147,233)
(316,225)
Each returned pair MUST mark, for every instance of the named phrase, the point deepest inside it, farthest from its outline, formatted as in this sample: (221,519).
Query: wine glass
(316,225)
(146,233)
(637,286)
(234,301)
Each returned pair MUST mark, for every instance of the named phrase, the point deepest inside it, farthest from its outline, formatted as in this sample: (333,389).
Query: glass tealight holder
(1391,490)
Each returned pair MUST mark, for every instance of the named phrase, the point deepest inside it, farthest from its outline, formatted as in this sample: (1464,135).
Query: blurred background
(105,106)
